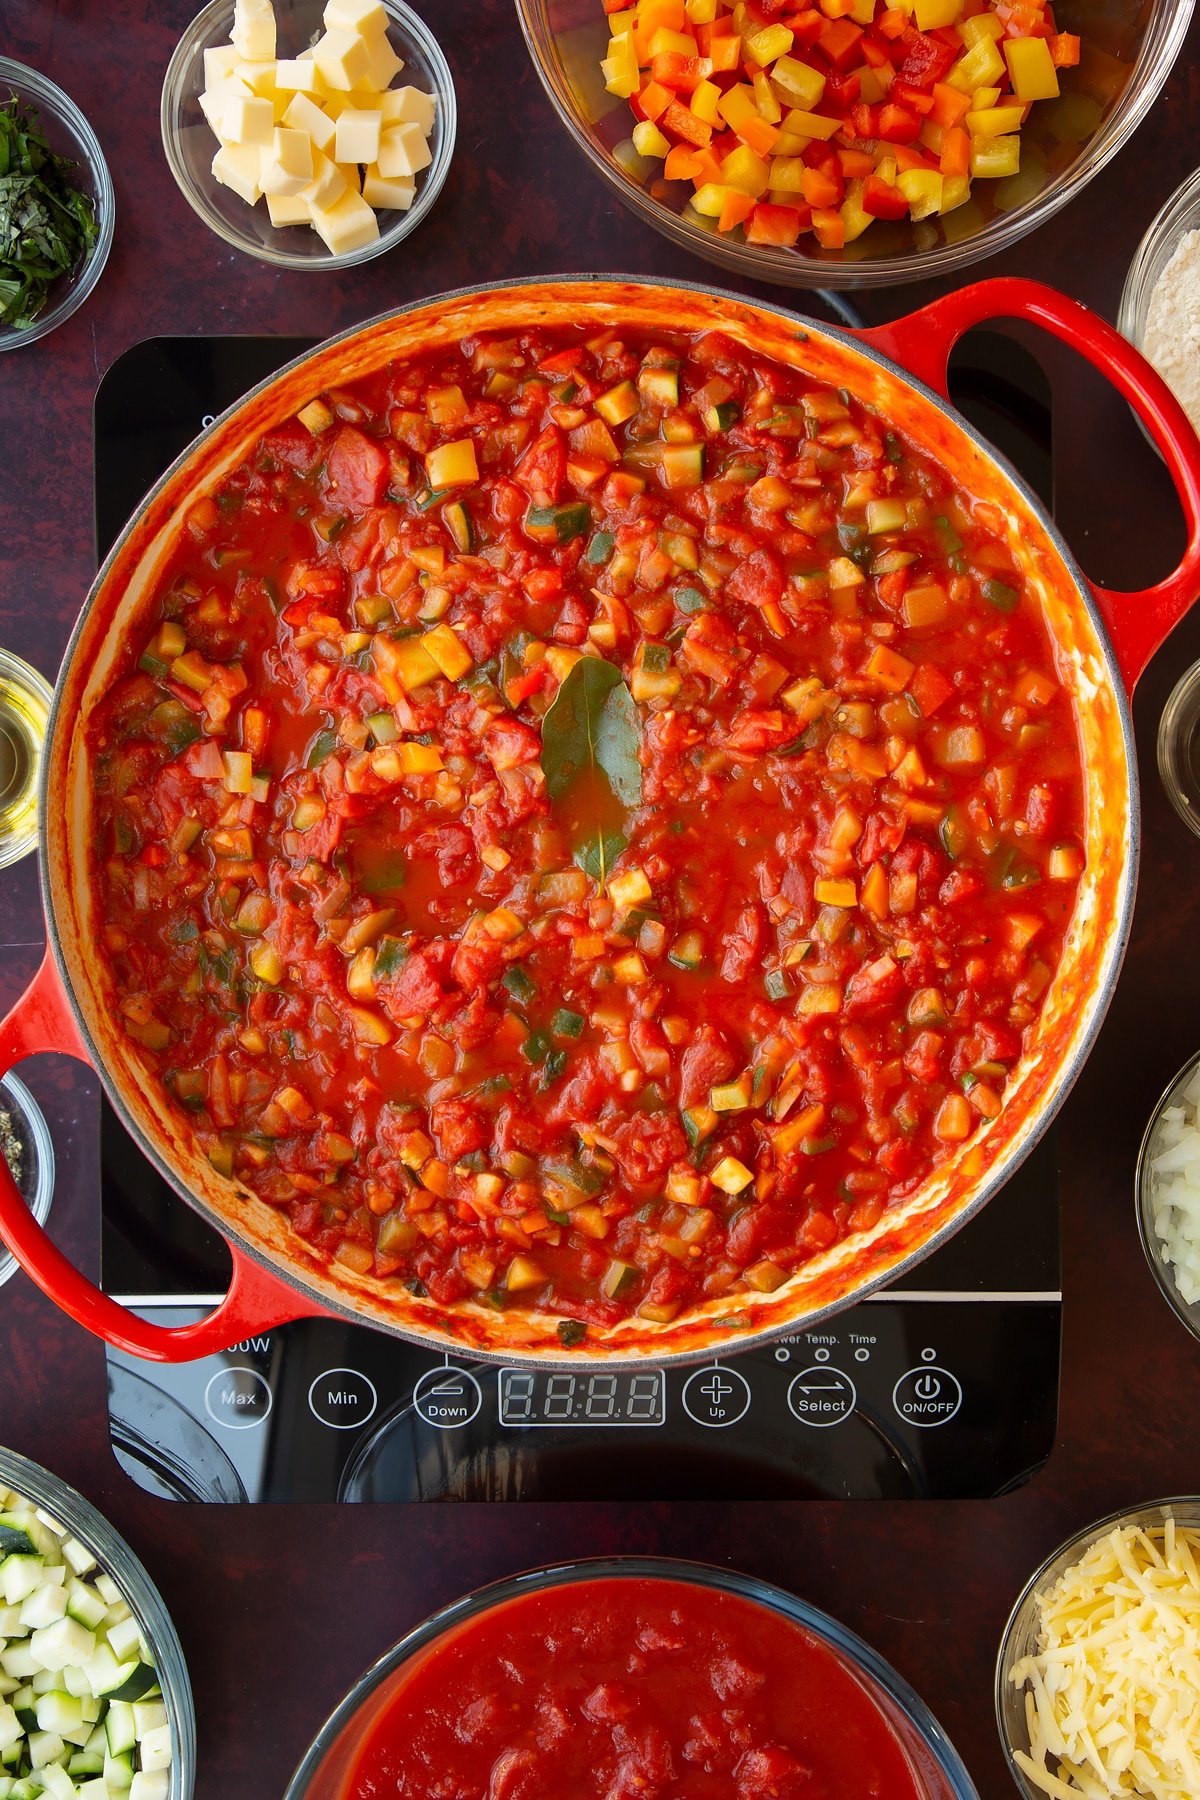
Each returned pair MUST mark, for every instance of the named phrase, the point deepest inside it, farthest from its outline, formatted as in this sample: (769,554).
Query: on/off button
(927,1396)
(342,1398)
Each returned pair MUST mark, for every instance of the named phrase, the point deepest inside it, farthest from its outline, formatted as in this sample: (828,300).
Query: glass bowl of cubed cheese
(309,135)
(95,1702)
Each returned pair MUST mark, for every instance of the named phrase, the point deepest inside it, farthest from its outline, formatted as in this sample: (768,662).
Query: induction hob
(945,1385)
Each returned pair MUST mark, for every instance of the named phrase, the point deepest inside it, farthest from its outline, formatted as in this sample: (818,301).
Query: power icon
(927,1396)
(927,1387)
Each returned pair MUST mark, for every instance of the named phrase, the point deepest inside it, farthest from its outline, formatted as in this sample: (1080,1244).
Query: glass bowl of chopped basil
(56,206)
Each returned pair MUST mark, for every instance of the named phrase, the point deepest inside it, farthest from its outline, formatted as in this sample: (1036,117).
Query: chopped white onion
(1173,1190)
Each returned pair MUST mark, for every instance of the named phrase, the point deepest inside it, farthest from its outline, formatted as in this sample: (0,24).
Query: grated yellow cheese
(1112,1697)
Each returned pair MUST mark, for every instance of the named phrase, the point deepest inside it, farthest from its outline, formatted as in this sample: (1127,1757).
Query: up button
(927,1396)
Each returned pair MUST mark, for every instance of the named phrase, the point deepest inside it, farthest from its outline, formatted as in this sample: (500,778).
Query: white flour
(1172,336)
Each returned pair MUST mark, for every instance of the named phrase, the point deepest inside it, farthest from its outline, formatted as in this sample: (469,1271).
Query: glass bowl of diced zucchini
(95,1702)
(311,134)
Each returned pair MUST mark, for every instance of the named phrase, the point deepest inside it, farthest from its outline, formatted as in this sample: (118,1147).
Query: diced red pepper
(927,58)
(841,92)
(882,200)
(929,688)
(898,124)
(905,94)
(672,70)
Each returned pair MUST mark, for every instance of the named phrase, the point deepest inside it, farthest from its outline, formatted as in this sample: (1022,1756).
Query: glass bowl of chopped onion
(1167,1186)
(271,226)
(1160,302)
(65,188)
(1095,1690)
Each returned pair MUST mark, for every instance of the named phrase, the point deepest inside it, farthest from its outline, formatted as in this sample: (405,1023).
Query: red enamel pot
(1102,640)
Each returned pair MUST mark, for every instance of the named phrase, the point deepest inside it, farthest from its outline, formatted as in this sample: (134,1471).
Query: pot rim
(1011,1158)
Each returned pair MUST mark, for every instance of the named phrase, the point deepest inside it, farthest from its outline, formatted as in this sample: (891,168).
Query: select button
(342,1399)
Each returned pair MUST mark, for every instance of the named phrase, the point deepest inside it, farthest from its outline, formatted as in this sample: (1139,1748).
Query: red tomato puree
(631,1690)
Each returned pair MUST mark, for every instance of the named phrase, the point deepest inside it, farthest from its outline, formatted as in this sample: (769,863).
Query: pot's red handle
(922,342)
(257,1300)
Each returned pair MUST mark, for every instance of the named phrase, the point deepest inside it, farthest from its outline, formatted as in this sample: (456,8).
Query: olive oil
(24,711)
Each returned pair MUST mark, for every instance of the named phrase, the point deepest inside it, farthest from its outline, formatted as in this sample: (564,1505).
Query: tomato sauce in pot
(631,1690)
(587,823)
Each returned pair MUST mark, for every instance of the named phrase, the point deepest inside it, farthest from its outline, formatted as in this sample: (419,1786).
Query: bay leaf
(590,738)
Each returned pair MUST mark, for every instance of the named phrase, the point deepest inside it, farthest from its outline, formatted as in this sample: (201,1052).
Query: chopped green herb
(47,224)
(571,1332)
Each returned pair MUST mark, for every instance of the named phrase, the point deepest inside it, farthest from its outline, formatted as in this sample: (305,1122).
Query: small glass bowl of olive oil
(24,713)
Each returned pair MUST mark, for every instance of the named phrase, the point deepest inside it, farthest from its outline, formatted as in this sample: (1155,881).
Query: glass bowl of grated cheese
(1095,1686)
(1167,1186)
(1160,303)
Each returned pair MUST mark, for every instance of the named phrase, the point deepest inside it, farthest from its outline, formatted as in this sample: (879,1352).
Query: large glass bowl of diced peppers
(850,143)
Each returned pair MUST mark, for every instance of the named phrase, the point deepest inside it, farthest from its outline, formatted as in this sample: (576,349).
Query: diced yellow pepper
(708,201)
(369,1028)
(802,85)
(731,1176)
(1031,67)
(764,98)
(704,102)
(802,123)
(862,11)
(984,97)
(648,140)
(523,1272)
(980,66)
(922,188)
(830,892)
(620,68)
(748,173)
(994,158)
(672,43)
(402,665)
(765,45)
(955,189)
(995,121)
(448,651)
(786,176)
(701,12)
(629,889)
(452,465)
(984,24)
(932,15)
(419,759)
(854,219)
(265,963)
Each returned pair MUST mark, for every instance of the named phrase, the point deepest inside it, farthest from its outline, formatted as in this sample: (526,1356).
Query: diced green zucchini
(85,1604)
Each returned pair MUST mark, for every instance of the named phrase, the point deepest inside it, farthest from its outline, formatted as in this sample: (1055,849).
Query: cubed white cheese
(248,119)
(218,63)
(383,67)
(288,209)
(396,195)
(356,136)
(327,186)
(303,114)
(259,76)
(366,17)
(403,150)
(349,224)
(409,106)
(238,166)
(293,151)
(342,57)
(253,33)
(298,76)
(215,100)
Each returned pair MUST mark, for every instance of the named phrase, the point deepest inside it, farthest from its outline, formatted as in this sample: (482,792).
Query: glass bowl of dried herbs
(56,206)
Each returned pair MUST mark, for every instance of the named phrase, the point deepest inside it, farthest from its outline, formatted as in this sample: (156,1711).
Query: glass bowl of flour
(1160,305)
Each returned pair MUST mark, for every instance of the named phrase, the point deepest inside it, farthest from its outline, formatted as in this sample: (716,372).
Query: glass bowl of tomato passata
(631,1679)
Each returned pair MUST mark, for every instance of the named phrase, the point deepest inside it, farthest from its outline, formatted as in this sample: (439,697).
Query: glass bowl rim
(766,264)
(67,1505)
(22,1101)
(1077,1544)
(197,37)
(1135,293)
(831,1632)
(47,94)
(1141,1197)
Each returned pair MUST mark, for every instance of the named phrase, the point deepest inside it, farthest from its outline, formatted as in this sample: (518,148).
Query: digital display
(537,1397)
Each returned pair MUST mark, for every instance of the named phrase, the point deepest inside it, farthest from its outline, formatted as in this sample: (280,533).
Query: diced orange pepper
(856,165)
(775,225)
(670,70)
(680,164)
(708,166)
(735,208)
(1064,49)
(725,53)
(830,229)
(949,106)
(906,156)
(893,23)
(955,158)
(819,188)
(686,125)
(654,99)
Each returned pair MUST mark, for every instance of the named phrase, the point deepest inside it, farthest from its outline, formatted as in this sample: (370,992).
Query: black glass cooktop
(944,1386)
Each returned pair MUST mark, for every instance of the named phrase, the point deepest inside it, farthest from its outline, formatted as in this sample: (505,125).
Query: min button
(342,1399)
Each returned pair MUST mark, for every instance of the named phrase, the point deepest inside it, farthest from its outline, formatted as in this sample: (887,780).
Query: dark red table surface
(279,1608)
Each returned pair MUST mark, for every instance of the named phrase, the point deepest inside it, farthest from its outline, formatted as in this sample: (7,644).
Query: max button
(716,1396)
(447,1398)
(342,1399)
(238,1398)
(927,1396)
